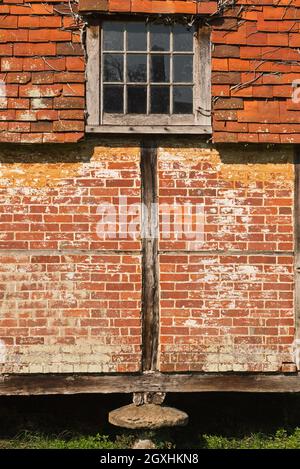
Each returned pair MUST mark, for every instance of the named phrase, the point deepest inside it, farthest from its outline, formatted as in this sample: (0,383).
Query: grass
(217,421)
(27,440)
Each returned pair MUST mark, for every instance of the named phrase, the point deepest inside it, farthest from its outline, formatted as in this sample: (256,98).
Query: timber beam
(43,384)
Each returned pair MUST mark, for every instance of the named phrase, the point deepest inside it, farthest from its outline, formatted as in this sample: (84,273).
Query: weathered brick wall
(221,310)
(42,72)
(255,61)
(70,301)
(227,313)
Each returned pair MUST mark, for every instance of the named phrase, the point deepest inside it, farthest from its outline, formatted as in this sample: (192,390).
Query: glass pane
(183,100)
(160,68)
(183,38)
(183,68)
(136,36)
(136,99)
(113,99)
(137,67)
(113,67)
(113,37)
(160,37)
(160,99)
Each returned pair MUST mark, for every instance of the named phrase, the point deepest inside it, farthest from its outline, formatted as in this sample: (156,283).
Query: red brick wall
(67,301)
(42,66)
(222,311)
(206,7)
(71,300)
(255,61)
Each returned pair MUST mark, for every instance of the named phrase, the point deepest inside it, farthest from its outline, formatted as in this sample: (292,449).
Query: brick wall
(227,301)
(70,300)
(255,61)
(42,73)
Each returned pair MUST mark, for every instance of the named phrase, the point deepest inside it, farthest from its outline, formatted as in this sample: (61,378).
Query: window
(148,77)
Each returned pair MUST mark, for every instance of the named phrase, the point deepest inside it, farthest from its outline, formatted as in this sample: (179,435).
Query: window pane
(113,67)
(160,68)
(183,68)
(183,38)
(113,99)
(136,99)
(137,67)
(160,37)
(183,100)
(160,99)
(136,36)
(113,37)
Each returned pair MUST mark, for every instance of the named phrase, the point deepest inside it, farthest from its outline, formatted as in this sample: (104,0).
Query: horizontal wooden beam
(39,384)
(150,129)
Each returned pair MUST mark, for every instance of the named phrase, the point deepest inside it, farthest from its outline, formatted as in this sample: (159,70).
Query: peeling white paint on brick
(2,352)
(3,95)
(191,323)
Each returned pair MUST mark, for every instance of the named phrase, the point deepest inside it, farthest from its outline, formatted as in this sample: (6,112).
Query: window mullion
(148,68)
(171,70)
(125,103)
(101,75)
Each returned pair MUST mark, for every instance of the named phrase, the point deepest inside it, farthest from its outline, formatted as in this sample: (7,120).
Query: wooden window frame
(198,123)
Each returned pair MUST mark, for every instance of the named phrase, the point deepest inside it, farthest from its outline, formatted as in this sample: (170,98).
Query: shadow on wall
(223,414)
(83,151)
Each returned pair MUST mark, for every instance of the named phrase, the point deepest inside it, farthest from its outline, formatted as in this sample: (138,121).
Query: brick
(69,77)
(26,115)
(14,35)
(119,5)
(32,9)
(75,64)
(144,6)
(42,78)
(231,78)
(23,49)
(39,91)
(8,22)
(6,49)
(32,138)
(18,103)
(93,5)
(73,90)
(207,8)
(47,114)
(72,114)
(225,50)
(68,103)
(41,103)
(15,77)
(68,48)
(19,127)
(11,64)
(66,125)
(53,35)
(41,127)
(231,103)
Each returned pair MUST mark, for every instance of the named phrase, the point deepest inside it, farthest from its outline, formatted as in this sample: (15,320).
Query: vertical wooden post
(93,74)
(150,289)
